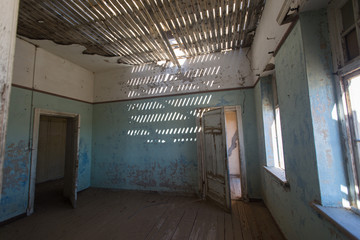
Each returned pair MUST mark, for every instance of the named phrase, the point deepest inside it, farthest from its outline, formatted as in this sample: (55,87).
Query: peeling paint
(311,141)
(16,170)
(135,149)
(15,180)
(17,160)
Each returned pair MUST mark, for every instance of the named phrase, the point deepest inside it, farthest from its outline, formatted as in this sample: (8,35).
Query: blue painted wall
(132,144)
(123,158)
(306,98)
(129,153)
(17,158)
(330,161)
(14,197)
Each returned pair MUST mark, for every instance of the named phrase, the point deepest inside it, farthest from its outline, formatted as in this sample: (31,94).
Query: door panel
(215,158)
(71,161)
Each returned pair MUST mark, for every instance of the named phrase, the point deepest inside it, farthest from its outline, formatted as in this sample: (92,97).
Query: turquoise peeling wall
(329,155)
(261,136)
(14,197)
(17,158)
(133,147)
(306,99)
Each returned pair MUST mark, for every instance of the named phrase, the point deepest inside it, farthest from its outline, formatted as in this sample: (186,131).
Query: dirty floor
(106,214)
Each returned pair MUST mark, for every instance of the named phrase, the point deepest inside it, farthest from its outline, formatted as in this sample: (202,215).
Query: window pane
(354,94)
(275,144)
(347,14)
(279,139)
(352,48)
(354,98)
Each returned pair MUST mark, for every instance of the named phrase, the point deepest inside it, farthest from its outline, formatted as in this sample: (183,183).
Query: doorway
(50,166)
(233,154)
(221,155)
(54,160)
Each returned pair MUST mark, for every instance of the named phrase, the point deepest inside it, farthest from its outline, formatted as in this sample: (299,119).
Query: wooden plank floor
(106,214)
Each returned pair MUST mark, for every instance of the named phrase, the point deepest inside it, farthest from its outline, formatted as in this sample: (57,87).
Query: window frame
(268,102)
(353,163)
(337,34)
(344,70)
(279,161)
(269,105)
(279,142)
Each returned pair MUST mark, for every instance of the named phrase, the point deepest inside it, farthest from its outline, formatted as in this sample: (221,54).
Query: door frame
(38,112)
(200,151)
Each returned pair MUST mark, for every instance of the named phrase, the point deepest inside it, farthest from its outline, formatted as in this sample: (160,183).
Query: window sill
(343,219)
(279,175)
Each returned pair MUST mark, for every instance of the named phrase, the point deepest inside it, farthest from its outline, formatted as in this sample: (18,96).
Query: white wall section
(51,73)
(226,70)
(74,53)
(268,35)
(24,63)
(57,75)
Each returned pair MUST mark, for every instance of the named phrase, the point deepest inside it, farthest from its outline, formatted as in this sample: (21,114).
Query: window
(276,131)
(344,22)
(350,29)
(351,84)
(274,164)
(344,27)
(278,147)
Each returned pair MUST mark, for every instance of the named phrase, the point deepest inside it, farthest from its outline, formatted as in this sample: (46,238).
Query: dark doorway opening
(50,166)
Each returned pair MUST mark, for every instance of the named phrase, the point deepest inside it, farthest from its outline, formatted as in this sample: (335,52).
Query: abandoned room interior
(179,119)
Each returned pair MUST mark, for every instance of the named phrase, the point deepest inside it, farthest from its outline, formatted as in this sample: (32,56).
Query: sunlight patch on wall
(150,120)
(189,80)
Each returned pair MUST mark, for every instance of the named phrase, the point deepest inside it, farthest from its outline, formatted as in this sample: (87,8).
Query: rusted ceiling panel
(141,31)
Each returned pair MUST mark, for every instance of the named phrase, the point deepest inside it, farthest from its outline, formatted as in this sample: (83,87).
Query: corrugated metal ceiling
(141,31)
